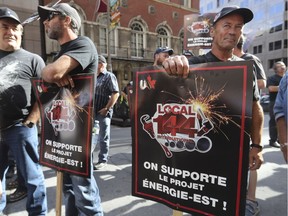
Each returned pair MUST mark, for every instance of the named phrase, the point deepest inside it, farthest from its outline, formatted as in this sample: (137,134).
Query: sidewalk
(115,184)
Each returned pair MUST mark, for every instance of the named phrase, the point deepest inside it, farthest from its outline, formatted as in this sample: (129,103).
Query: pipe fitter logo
(200,27)
(61,115)
(179,127)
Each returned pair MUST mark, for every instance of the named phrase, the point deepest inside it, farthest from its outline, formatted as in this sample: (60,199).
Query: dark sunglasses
(53,14)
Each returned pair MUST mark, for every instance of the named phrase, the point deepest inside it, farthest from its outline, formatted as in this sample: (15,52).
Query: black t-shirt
(210,57)
(273,80)
(16,94)
(260,73)
(83,50)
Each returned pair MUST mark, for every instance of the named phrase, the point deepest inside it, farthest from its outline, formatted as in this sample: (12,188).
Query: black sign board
(191,137)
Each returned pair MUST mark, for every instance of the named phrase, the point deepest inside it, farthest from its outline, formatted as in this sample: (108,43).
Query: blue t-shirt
(280,107)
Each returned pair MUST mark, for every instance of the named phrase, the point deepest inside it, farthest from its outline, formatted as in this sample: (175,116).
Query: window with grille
(163,38)
(137,40)
(103,36)
(186,3)
(257,49)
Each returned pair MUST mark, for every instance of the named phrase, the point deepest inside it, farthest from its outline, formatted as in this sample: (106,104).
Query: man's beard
(54,34)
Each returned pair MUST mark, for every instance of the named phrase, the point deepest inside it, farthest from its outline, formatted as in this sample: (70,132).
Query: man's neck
(238,52)
(67,36)
(225,55)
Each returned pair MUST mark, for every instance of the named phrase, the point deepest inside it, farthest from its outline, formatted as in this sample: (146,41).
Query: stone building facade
(144,25)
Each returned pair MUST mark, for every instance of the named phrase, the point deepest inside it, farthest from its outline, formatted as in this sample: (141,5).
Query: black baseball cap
(8,13)
(102,59)
(246,13)
(163,50)
(63,8)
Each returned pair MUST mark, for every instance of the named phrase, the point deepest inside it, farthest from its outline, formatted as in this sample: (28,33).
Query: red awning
(102,7)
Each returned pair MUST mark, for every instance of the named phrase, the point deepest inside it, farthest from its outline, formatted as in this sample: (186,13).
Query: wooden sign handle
(59,193)
(177,213)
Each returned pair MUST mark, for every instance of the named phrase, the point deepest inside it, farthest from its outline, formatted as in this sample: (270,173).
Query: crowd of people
(19,112)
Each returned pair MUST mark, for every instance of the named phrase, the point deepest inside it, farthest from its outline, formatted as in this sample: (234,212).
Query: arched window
(104,34)
(137,40)
(163,37)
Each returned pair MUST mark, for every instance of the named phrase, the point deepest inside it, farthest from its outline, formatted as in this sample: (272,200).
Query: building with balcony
(266,33)
(144,25)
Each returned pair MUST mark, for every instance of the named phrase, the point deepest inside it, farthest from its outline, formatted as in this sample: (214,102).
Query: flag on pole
(115,14)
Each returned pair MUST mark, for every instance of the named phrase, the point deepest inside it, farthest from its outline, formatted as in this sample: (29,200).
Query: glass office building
(266,33)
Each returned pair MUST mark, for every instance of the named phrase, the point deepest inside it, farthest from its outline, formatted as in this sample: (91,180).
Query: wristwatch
(28,124)
(258,146)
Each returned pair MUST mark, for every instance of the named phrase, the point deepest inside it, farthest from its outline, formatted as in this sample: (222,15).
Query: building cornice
(177,6)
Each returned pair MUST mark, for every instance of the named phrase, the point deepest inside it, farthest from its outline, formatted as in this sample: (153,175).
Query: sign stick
(177,213)
(35,16)
(59,193)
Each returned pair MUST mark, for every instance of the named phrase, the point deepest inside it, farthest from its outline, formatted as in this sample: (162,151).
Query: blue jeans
(23,144)
(81,195)
(104,136)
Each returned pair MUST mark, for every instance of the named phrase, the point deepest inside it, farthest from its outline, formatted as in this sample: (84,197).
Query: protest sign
(191,137)
(197,31)
(66,124)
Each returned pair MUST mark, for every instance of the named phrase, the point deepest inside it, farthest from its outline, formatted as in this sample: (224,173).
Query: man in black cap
(225,37)
(161,54)
(106,95)
(226,31)
(78,54)
(19,113)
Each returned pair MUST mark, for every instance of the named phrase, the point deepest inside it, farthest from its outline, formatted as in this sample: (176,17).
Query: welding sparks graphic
(72,98)
(205,99)
(206,21)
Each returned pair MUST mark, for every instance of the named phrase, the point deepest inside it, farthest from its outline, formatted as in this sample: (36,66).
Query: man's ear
(68,20)
(212,31)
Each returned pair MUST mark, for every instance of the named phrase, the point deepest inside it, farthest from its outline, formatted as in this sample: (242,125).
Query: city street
(115,183)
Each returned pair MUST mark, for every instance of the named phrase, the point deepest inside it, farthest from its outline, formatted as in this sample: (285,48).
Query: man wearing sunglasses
(77,55)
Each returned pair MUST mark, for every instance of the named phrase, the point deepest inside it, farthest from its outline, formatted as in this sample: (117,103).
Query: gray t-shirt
(16,94)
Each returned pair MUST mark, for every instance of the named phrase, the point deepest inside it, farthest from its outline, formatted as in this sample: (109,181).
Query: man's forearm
(273,88)
(257,122)
(112,100)
(261,83)
(34,115)
(282,130)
